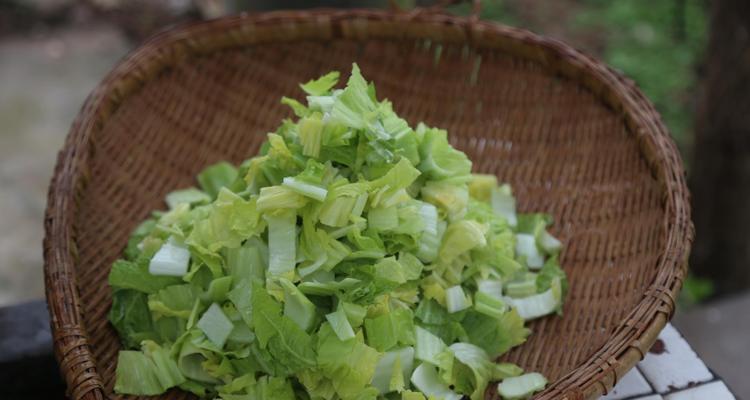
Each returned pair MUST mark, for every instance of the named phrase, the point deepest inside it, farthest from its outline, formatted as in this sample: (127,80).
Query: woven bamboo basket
(572,136)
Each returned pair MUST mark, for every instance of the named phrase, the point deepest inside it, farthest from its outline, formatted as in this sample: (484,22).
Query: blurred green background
(659,44)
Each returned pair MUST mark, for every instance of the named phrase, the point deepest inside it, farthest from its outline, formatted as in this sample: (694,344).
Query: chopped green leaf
(215,325)
(521,387)
(354,257)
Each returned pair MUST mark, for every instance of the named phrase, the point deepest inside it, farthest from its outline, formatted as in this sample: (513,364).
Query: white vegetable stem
(549,243)
(504,204)
(526,246)
(384,369)
(172,259)
(540,304)
(305,189)
(426,379)
(282,240)
(521,387)
(455,299)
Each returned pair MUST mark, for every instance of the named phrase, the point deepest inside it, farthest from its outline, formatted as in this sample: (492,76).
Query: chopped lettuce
(504,204)
(131,317)
(348,364)
(297,306)
(388,330)
(137,374)
(282,238)
(135,275)
(521,387)
(215,325)
(471,370)
(428,346)
(149,372)
(456,300)
(171,260)
(539,305)
(353,258)
(340,324)
(322,85)
(217,176)
(426,379)
(190,196)
(393,370)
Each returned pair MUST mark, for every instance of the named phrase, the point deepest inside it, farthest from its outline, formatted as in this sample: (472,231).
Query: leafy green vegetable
(521,387)
(215,177)
(504,204)
(495,335)
(136,374)
(190,196)
(428,346)
(282,238)
(131,317)
(456,300)
(287,343)
(173,301)
(349,364)
(541,304)
(393,370)
(135,275)
(215,325)
(471,369)
(439,159)
(426,379)
(340,324)
(388,330)
(353,258)
(150,372)
(297,307)
(322,85)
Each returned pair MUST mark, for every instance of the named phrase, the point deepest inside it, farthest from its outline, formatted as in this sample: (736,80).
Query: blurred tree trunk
(720,176)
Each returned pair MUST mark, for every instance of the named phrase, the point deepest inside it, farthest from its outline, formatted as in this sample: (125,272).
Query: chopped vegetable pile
(353,258)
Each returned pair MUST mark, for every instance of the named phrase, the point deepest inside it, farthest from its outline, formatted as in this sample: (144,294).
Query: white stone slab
(676,367)
(651,397)
(708,391)
(632,384)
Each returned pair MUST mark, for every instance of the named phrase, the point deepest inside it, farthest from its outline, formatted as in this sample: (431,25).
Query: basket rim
(592,378)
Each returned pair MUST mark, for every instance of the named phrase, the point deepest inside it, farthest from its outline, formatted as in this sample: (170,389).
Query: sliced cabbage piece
(456,300)
(282,240)
(340,324)
(481,187)
(504,204)
(428,346)
(297,306)
(429,242)
(215,324)
(306,189)
(426,379)
(172,259)
(191,196)
(549,243)
(526,247)
(391,364)
(524,287)
(491,286)
(460,237)
(489,305)
(539,305)
(521,387)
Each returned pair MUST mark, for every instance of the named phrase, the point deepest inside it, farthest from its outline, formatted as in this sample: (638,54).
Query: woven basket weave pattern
(572,137)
